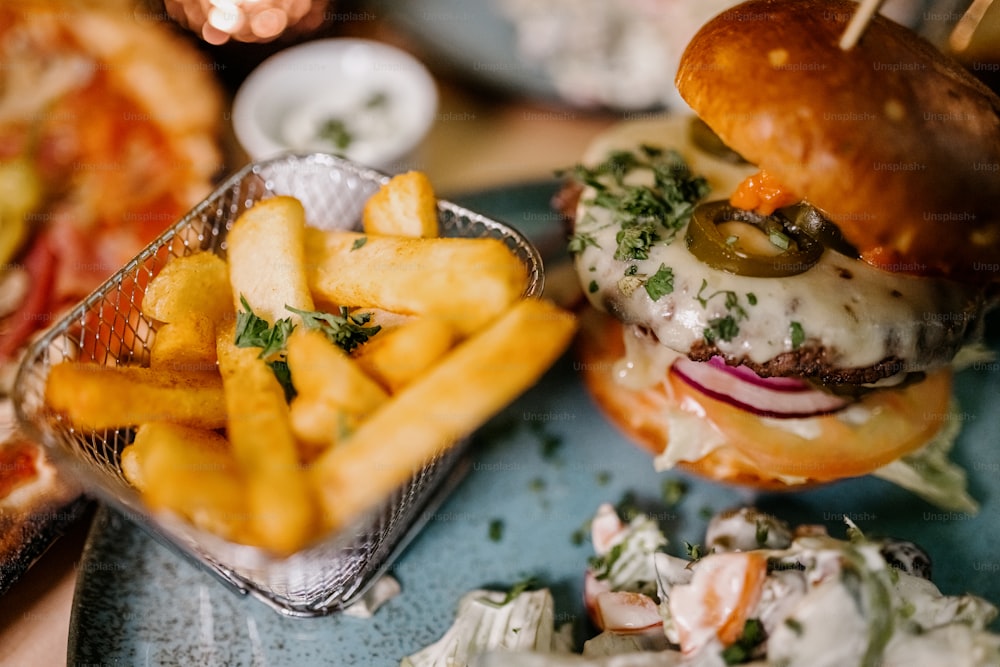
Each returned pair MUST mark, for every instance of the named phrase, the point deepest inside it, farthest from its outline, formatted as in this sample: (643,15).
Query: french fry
(467,282)
(405,206)
(266,259)
(96,397)
(190,471)
(133,467)
(458,342)
(193,284)
(186,343)
(437,409)
(397,356)
(282,512)
(334,394)
(189,295)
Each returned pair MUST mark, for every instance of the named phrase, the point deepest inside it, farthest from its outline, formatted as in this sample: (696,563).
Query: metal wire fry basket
(108,327)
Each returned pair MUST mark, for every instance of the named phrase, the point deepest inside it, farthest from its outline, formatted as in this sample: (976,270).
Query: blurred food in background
(109,131)
(975,40)
(218,21)
(359,98)
(592,54)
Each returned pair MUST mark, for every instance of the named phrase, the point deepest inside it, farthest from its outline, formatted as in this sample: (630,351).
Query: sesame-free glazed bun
(897,143)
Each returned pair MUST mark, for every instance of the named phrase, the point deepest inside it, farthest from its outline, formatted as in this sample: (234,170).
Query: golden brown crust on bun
(896,142)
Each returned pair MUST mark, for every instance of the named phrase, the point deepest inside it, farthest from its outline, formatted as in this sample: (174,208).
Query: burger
(785,281)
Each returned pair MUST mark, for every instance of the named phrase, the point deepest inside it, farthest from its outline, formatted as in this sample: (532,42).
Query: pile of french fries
(277,441)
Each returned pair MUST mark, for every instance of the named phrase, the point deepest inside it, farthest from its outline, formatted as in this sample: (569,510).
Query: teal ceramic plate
(537,472)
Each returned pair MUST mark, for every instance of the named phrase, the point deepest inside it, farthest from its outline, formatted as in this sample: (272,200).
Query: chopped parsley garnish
(794,625)
(580,535)
(346,331)
(635,240)
(284,377)
(579,241)
(761,533)
(645,214)
(335,131)
(593,287)
(742,650)
(359,243)
(550,442)
(694,551)
(602,565)
(378,100)
(338,132)
(725,327)
(524,585)
(660,283)
(797,334)
(255,331)
(673,491)
(628,507)
(495,530)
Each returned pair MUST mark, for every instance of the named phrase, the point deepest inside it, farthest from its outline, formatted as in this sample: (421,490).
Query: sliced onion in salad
(781,397)
(625,612)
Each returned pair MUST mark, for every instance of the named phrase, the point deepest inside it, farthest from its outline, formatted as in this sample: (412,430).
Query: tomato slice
(882,427)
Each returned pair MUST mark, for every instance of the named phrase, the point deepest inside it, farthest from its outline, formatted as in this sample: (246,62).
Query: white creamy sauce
(372,120)
(692,438)
(807,429)
(645,362)
(830,631)
(857,313)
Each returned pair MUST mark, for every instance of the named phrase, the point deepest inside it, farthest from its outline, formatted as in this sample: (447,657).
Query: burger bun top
(897,143)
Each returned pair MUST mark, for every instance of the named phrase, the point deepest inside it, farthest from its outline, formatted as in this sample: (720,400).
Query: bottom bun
(748,450)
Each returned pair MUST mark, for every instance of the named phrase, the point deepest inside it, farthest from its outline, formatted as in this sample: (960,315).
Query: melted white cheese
(860,315)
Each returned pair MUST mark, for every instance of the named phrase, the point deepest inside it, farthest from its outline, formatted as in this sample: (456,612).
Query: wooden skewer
(858,23)
(961,35)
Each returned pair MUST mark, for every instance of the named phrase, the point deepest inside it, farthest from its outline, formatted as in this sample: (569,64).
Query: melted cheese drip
(859,314)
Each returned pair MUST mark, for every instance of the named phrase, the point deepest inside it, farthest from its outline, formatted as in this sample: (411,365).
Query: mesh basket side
(108,327)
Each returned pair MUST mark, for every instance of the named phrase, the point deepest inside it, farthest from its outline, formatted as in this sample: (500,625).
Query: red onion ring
(760,396)
(789,384)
